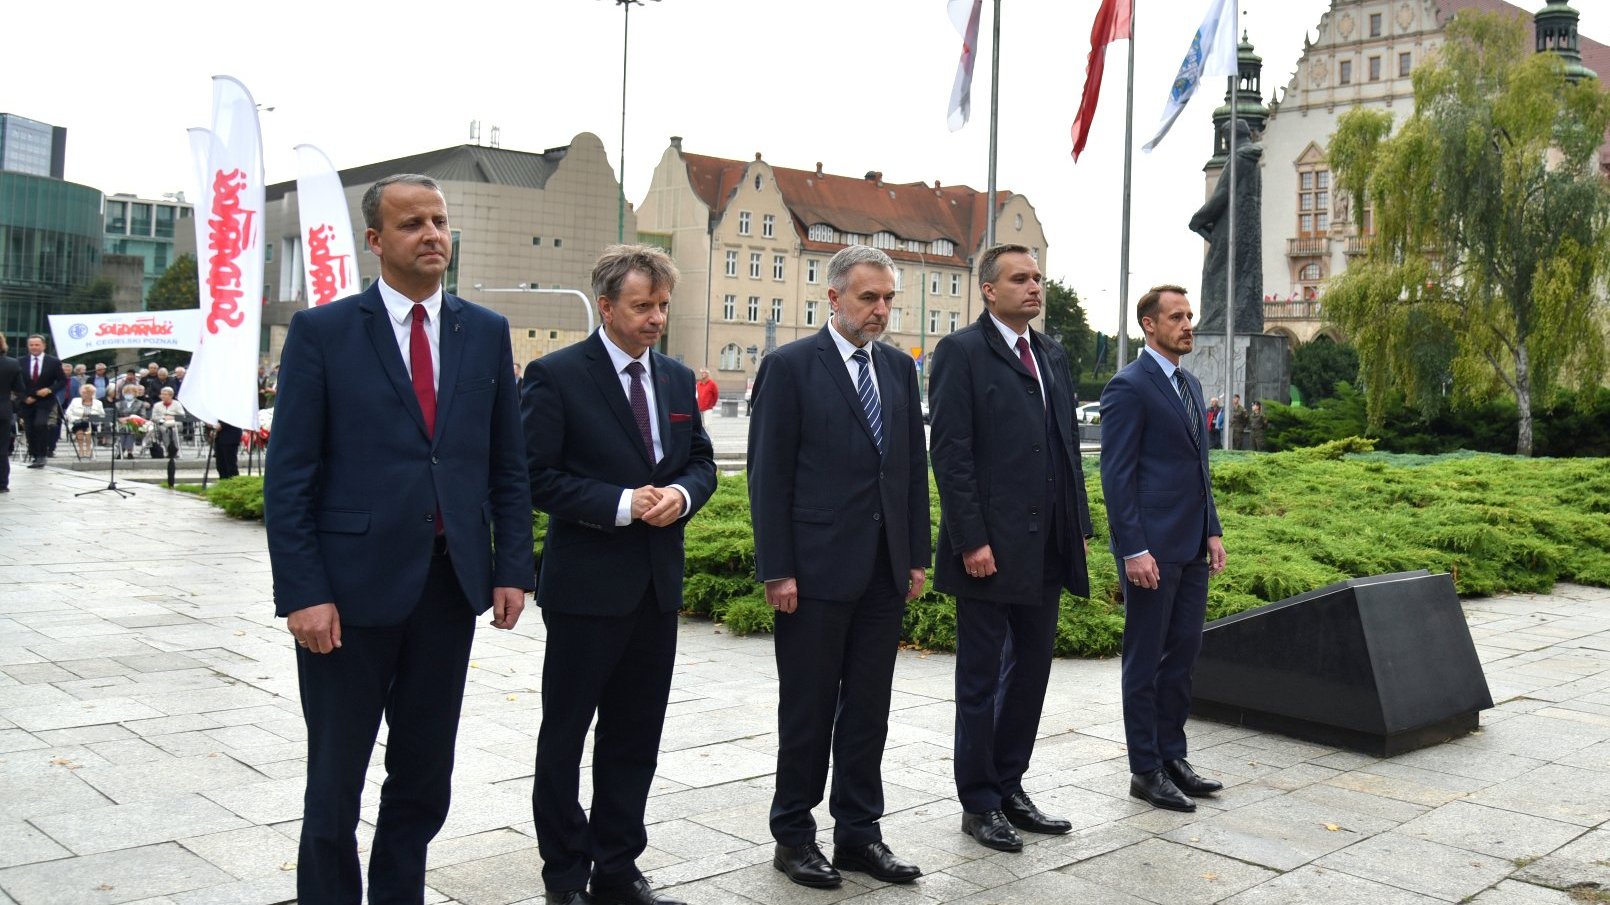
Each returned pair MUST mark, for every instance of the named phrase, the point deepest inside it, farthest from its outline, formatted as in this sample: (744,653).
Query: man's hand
(1142,572)
(667,510)
(782,594)
(1215,555)
(507,605)
(43,392)
(643,499)
(317,628)
(980,563)
(918,576)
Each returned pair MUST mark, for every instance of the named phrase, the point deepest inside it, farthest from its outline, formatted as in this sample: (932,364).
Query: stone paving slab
(152,752)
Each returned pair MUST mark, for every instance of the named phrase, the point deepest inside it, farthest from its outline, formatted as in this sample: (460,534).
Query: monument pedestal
(1262,369)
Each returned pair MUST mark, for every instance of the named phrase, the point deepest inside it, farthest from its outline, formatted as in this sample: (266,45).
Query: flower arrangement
(137,425)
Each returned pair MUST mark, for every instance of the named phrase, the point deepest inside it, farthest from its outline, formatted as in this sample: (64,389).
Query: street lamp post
(626,30)
(922,330)
(586,303)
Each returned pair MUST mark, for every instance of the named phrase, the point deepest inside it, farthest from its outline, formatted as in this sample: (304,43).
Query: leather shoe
(567,897)
(992,831)
(805,865)
(1025,816)
(875,859)
(1180,771)
(1157,790)
(37,463)
(639,893)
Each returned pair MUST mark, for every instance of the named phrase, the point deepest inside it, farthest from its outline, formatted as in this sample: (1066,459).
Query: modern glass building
(145,228)
(50,243)
(30,146)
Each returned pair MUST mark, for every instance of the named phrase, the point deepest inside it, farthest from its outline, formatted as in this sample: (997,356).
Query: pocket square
(679,417)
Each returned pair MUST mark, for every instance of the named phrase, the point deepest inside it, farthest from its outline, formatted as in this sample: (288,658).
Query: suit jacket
(353,483)
(820,495)
(990,452)
(582,449)
(1154,466)
(50,375)
(11,386)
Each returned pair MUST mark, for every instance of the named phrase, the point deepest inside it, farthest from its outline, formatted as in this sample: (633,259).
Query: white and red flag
(329,257)
(221,384)
(1112,24)
(964,15)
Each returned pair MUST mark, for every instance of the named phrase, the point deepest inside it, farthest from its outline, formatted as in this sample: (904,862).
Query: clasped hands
(659,506)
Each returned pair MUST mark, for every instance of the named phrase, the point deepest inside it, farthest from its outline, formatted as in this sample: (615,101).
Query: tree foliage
(1317,367)
(1492,224)
(94,297)
(1065,322)
(177,288)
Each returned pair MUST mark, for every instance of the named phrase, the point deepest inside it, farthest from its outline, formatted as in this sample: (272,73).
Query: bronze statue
(1212,223)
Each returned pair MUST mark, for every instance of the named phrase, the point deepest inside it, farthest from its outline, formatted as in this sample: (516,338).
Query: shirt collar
(1168,366)
(400,307)
(845,347)
(1007,333)
(618,356)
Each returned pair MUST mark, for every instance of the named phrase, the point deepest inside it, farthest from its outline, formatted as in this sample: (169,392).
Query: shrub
(238,497)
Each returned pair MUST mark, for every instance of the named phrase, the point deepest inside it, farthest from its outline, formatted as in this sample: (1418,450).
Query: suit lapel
(662,402)
(997,344)
(450,343)
(828,351)
(1059,399)
(1167,388)
(378,325)
(891,389)
(609,386)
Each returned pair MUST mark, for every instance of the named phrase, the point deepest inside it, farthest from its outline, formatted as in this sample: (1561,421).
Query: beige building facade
(752,242)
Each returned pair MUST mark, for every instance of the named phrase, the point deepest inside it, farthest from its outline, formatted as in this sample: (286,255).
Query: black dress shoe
(37,463)
(992,831)
(567,897)
(1180,771)
(1157,790)
(639,893)
(1025,816)
(805,865)
(875,859)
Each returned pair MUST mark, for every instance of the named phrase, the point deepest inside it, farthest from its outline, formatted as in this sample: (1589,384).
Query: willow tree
(1492,227)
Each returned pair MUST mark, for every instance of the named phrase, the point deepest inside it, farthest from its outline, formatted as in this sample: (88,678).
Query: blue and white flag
(1212,53)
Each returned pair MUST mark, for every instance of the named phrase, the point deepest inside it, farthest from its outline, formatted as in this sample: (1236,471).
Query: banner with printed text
(329,257)
(75,334)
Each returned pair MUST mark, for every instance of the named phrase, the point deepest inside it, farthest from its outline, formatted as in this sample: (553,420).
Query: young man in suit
(619,460)
(1013,534)
(11,386)
(44,385)
(1166,536)
(397,457)
(838,494)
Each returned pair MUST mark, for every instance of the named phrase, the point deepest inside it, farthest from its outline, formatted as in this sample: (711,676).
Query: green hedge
(1293,521)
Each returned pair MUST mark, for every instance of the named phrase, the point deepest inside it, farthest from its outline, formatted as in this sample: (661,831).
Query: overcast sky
(856,84)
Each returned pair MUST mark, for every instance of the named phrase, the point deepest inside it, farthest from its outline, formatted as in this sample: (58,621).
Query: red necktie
(35,377)
(1028,362)
(424,374)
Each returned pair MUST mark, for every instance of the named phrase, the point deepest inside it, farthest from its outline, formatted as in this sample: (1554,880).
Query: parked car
(1090,413)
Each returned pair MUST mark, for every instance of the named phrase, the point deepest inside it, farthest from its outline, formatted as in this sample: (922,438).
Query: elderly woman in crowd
(128,405)
(79,412)
(166,418)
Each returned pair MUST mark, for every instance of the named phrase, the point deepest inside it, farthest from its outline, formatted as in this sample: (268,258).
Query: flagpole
(1229,271)
(1129,155)
(994,97)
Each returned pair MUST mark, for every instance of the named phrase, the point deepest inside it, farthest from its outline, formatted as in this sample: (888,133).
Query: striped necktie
(869,396)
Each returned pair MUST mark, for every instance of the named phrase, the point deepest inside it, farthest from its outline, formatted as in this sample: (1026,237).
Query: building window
(955,284)
(754,309)
(777,311)
(536,240)
(810,313)
(777,267)
(140,220)
(743,223)
(820,232)
(1345,72)
(1404,61)
(559,243)
(896,316)
(754,265)
(944,247)
(732,357)
(933,282)
(914,245)
(810,270)
(883,239)
(115,213)
(1313,201)
(164,222)
(933,321)
(1309,273)
(553,334)
(854,239)
(955,320)
(268,251)
(1375,69)
(1375,25)
(531,334)
(768,226)
(732,263)
(1034,253)
(729,308)
(899,279)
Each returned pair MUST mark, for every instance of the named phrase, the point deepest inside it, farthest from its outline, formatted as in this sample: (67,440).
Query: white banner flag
(329,257)
(76,334)
(221,384)
(1213,52)
(961,93)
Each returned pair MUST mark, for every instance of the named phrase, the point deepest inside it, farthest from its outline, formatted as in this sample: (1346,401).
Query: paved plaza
(151,751)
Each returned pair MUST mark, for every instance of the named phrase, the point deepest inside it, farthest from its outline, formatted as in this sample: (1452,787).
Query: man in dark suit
(397,458)
(11,386)
(44,385)
(1013,534)
(838,494)
(619,460)
(1166,536)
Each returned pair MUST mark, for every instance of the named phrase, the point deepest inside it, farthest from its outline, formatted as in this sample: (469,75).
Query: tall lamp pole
(626,30)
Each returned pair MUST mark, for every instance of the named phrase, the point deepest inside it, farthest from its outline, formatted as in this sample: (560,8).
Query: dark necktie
(35,377)
(1191,413)
(1028,361)
(424,373)
(640,407)
(869,395)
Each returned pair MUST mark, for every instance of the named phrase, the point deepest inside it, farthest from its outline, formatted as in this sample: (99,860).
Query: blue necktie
(1190,406)
(869,396)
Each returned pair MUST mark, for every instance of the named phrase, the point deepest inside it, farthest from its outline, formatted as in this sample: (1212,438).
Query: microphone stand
(112,484)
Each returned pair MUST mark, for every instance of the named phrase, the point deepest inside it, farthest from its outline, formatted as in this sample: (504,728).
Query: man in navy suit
(838,494)
(44,386)
(397,458)
(1013,534)
(1166,536)
(619,460)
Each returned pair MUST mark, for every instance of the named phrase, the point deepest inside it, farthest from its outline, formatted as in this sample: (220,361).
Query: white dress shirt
(846,349)
(1012,336)
(401,310)
(618,359)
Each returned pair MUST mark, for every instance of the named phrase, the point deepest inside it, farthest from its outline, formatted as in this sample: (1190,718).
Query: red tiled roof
(866,205)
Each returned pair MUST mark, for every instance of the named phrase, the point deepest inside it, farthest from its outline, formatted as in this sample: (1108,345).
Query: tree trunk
(1523,399)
